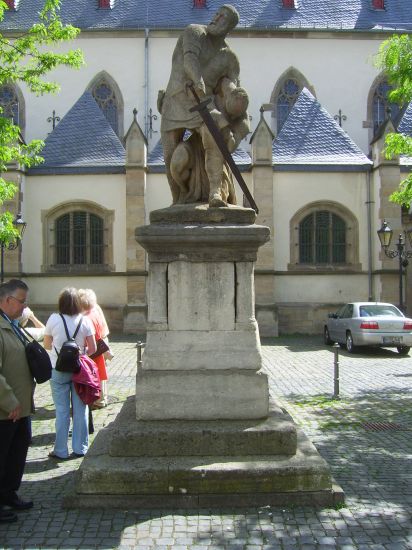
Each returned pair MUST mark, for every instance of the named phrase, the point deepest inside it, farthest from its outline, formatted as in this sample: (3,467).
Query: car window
(347,311)
(379,310)
(340,311)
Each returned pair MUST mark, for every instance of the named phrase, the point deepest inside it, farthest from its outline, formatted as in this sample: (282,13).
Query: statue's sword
(202,109)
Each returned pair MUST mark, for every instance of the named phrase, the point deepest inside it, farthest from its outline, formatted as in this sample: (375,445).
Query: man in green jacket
(16,400)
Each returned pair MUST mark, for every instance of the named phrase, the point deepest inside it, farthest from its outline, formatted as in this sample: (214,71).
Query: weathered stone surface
(207,242)
(203,214)
(224,478)
(201,395)
(273,435)
(202,350)
(201,296)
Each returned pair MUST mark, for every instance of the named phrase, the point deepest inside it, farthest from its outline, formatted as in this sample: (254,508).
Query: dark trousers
(14,443)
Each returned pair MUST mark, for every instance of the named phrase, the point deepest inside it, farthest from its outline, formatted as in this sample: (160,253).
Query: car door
(334,324)
(342,324)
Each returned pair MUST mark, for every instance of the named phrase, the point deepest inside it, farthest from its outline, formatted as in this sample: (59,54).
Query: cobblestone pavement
(365,437)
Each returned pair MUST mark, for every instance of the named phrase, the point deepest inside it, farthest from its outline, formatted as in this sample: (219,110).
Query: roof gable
(310,135)
(83,141)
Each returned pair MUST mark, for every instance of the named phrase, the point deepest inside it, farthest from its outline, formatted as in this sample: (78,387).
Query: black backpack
(68,357)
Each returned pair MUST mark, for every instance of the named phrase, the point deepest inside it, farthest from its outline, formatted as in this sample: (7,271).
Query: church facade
(319,113)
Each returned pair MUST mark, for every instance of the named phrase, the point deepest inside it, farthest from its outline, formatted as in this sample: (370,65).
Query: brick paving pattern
(374,466)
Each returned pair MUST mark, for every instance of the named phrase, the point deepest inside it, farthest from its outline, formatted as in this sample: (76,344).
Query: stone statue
(195,167)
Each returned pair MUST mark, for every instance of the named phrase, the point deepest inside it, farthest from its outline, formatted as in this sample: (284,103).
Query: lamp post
(20,226)
(385,234)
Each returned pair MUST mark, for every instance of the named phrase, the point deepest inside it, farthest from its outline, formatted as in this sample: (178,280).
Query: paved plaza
(365,436)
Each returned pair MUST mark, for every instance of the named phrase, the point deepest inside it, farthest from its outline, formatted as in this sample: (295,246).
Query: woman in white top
(62,387)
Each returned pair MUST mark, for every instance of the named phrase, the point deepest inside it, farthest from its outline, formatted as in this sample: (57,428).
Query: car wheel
(349,343)
(403,350)
(326,337)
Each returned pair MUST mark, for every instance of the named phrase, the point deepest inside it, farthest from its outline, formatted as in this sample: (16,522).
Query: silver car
(369,324)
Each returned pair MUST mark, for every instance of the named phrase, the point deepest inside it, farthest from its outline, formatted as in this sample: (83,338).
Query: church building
(314,162)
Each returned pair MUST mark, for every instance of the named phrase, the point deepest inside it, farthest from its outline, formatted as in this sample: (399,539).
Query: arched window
(324,235)
(106,100)
(322,239)
(9,103)
(285,94)
(286,99)
(78,237)
(382,108)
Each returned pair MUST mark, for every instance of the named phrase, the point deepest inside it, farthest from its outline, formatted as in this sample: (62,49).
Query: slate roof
(256,14)
(310,136)
(405,124)
(82,142)
(156,163)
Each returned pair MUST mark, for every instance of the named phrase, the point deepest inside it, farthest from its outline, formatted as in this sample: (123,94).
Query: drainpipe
(369,221)
(146,82)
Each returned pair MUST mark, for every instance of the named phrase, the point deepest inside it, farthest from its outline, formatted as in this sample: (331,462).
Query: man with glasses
(16,400)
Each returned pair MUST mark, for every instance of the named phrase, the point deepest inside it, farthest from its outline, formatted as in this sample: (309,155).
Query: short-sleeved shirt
(55,329)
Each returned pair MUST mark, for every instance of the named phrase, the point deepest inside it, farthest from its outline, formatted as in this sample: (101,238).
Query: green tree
(395,58)
(28,59)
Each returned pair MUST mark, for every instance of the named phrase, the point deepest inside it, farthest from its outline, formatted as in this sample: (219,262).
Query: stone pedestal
(201,431)
(202,353)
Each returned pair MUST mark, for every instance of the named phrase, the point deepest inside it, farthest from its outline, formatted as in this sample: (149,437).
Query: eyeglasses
(23,302)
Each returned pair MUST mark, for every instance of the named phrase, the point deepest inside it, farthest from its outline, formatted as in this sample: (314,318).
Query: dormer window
(199,4)
(288,4)
(378,4)
(104,4)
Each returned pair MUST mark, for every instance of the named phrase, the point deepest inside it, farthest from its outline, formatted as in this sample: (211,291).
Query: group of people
(79,308)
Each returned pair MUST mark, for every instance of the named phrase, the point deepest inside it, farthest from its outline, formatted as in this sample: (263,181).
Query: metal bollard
(336,371)
(139,346)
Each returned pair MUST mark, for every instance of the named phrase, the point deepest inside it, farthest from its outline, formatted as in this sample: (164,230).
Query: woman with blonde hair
(94,313)
(62,387)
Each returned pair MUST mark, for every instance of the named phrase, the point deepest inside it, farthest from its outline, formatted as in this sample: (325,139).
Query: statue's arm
(191,53)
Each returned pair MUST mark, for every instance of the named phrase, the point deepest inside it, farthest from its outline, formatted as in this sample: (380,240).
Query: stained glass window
(106,100)
(381,106)
(378,4)
(322,239)
(286,99)
(288,3)
(79,239)
(9,103)
(104,4)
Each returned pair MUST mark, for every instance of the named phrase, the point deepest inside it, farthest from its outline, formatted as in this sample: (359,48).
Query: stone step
(275,435)
(208,480)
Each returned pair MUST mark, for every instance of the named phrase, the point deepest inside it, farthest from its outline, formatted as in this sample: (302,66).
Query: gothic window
(104,4)
(324,235)
(290,4)
(381,106)
(378,4)
(106,100)
(9,103)
(286,99)
(78,238)
(322,239)
(199,3)
(11,4)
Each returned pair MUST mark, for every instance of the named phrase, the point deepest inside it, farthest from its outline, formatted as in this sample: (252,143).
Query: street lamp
(385,234)
(20,226)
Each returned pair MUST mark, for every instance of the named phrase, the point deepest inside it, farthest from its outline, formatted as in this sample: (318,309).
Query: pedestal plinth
(201,431)
(202,353)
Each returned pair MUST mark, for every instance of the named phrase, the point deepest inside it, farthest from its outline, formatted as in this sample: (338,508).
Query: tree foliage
(27,59)
(395,58)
